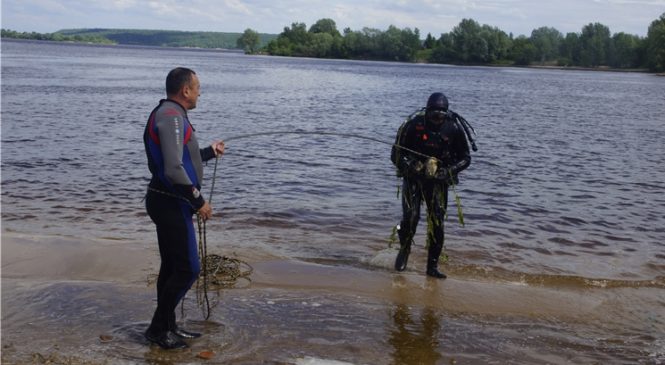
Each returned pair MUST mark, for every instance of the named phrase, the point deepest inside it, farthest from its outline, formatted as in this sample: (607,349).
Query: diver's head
(437,109)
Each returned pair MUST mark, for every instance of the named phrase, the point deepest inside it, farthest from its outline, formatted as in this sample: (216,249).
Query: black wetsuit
(448,143)
(175,161)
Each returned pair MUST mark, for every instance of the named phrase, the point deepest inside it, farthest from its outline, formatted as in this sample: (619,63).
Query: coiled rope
(217,272)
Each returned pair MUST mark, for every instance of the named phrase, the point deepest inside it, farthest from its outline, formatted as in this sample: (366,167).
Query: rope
(349,135)
(468,129)
(203,254)
(219,272)
(203,251)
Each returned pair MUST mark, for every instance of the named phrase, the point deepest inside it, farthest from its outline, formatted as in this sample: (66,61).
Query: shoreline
(99,289)
(44,259)
(231,50)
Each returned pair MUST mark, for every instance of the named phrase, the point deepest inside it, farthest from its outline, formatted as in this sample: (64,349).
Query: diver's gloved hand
(444,175)
(414,167)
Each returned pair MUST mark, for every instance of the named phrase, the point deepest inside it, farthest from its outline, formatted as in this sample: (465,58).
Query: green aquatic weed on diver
(430,221)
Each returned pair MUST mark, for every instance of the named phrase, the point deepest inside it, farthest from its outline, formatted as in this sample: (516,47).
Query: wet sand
(70,301)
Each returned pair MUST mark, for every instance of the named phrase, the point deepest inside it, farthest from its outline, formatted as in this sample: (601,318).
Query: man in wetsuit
(431,149)
(174,195)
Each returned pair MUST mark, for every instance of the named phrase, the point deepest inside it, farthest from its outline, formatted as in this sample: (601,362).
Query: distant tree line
(467,43)
(472,43)
(6,33)
(159,38)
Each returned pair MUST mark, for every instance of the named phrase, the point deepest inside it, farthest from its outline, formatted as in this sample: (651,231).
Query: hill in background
(166,38)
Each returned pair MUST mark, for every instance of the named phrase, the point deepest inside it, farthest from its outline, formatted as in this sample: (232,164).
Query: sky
(519,17)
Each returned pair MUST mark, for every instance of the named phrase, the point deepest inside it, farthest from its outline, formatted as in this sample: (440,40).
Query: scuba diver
(430,150)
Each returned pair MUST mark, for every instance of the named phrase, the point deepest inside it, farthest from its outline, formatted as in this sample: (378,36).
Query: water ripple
(579,186)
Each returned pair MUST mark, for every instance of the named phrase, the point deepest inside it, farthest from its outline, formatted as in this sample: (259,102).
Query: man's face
(436,116)
(192,92)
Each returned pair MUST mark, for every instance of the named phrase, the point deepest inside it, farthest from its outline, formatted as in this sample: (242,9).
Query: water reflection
(415,341)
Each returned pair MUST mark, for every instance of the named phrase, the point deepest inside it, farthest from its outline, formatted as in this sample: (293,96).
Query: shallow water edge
(88,302)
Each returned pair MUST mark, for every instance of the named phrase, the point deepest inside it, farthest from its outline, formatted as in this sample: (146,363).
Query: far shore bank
(532,66)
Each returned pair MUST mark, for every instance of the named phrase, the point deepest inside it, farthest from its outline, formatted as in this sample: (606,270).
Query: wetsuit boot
(165,339)
(433,261)
(184,334)
(404,251)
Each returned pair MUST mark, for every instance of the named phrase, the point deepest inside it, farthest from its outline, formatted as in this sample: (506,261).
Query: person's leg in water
(411,199)
(436,199)
(179,267)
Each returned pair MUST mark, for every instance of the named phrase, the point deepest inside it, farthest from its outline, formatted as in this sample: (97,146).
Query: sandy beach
(69,301)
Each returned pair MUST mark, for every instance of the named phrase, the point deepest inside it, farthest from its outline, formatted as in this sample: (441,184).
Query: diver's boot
(402,257)
(404,249)
(433,261)
(166,340)
(434,272)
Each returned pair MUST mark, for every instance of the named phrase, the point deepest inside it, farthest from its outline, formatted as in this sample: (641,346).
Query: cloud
(116,4)
(238,6)
(164,8)
(271,16)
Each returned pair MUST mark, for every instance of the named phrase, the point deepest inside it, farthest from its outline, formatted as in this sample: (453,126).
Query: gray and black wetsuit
(175,161)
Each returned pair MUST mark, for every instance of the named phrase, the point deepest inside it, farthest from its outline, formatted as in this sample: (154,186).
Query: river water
(566,190)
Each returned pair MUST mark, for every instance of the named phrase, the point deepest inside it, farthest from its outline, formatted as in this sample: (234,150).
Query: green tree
(333,44)
(281,46)
(293,41)
(351,43)
(367,46)
(361,44)
(398,44)
(297,34)
(626,50)
(430,42)
(320,45)
(498,43)
(325,25)
(468,45)
(595,45)
(655,45)
(570,50)
(546,40)
(523,52)
(249,41)
(443,51)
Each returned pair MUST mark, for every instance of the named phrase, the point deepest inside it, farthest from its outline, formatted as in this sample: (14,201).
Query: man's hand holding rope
(218,148)
(205,212)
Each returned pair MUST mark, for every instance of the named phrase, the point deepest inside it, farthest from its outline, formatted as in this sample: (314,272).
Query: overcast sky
(271,16)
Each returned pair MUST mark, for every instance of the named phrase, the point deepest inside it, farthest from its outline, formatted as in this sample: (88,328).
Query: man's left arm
(216,149)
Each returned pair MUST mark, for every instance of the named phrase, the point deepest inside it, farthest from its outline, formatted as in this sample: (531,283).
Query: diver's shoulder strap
(418,113)
(467,128)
